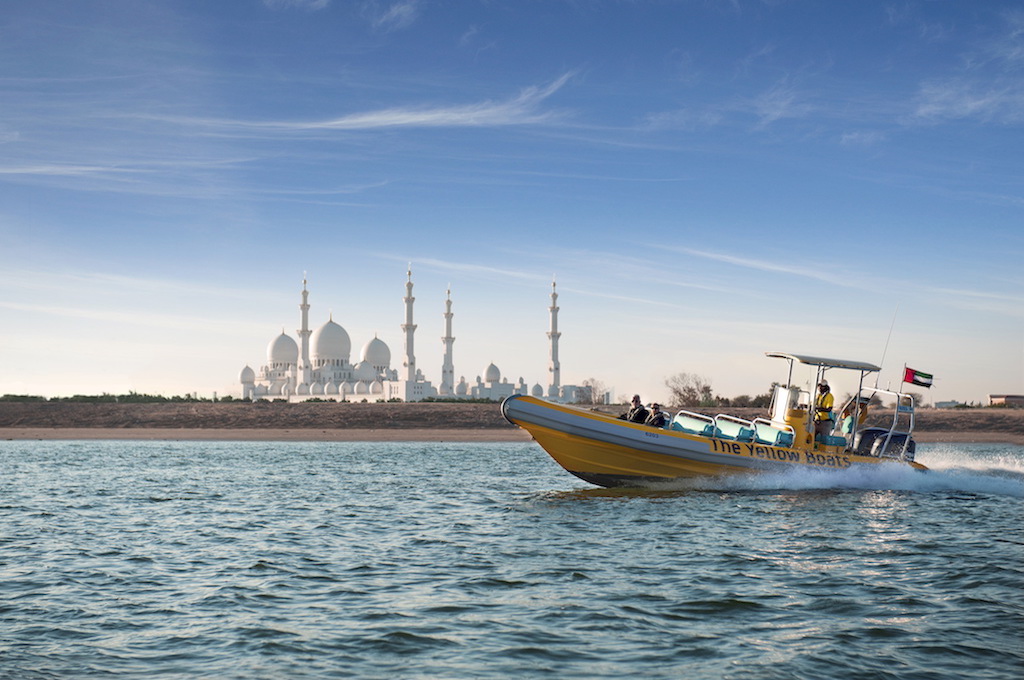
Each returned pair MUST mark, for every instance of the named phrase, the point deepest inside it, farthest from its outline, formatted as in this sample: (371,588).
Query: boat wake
(996,471)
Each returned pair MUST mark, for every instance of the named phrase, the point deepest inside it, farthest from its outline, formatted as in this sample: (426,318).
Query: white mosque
(319,366)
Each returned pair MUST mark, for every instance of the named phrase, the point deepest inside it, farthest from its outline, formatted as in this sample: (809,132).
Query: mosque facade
(319,365)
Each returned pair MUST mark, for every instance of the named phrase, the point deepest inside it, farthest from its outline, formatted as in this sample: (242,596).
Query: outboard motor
(871,441)
(865,439)
(894,447)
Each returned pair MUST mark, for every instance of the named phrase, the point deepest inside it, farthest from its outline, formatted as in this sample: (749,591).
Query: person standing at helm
(823,410)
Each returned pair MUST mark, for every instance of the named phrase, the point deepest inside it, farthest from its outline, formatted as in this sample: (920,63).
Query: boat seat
(690,425)
(774,437)
(705,431)
(743,434)
(832,440)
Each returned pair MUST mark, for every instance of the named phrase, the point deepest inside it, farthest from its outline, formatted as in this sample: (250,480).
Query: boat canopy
(826,363)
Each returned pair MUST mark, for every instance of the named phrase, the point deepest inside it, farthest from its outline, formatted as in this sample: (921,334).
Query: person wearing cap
(823,410)
(636,414)
(657,418)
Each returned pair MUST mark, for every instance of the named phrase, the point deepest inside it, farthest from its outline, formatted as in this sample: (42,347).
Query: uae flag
(917,377)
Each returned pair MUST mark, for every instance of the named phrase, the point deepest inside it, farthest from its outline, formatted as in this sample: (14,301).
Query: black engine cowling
(873,441)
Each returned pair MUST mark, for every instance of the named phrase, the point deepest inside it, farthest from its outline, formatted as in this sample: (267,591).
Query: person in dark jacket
(636,414)
(657,417)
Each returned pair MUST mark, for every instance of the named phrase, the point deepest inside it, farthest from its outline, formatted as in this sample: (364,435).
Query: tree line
(106,398)
(694,390)
(687,389)
(690,389)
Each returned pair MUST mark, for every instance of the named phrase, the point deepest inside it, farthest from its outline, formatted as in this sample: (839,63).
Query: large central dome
(492,374)
(330,342)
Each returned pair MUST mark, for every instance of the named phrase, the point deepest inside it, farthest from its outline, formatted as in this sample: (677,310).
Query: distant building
(1006,400)
(319,366)
(948,404)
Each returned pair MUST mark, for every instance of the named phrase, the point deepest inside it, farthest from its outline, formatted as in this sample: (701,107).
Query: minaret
(554,368)
(448,368)
(305,374)
(409,328)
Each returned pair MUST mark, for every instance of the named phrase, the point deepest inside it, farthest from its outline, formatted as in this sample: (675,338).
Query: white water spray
(988,469)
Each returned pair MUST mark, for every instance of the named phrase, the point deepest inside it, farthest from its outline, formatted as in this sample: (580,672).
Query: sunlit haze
(706,181)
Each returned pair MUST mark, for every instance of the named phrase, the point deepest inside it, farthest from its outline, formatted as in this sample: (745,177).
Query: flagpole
(886,348)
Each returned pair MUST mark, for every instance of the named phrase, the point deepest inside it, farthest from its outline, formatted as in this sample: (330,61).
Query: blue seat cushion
(694,426)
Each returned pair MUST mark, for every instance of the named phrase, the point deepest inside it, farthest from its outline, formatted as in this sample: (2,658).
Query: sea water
(406,560)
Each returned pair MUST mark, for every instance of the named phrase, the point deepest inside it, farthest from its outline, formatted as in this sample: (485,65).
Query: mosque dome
(492,374)
(282,350)
(538,391)
(377,353)
(330,342)
(331,388)
(247,375)
(366,371)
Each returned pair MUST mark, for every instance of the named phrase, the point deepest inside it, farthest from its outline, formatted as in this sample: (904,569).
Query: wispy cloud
(987,87)
(311,5)
(99,285)
(474,269)
(393,16)
(782,100)
(61,170)
(139,318)
(774,267)
(862,138)
(1007,49)
(522,109)
(468,36)
(1009,304)
(683,119)
(960,98)
(1006,304)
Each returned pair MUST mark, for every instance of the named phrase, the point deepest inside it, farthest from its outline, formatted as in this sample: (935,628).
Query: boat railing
(693,423)
(773,434)
(895,440)
(903,411)
(731,427)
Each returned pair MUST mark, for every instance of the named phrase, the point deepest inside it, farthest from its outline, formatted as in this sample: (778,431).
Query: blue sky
(706,180)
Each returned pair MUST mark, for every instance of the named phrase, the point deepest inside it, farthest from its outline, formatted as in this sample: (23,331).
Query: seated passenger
(637,414)
(657,418)
(847,417)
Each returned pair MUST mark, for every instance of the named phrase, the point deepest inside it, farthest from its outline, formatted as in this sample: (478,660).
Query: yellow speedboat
(613,452)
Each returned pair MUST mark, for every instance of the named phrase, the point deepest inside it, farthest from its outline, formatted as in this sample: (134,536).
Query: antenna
(887,338)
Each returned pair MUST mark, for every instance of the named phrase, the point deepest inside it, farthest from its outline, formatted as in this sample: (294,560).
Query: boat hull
(610,452)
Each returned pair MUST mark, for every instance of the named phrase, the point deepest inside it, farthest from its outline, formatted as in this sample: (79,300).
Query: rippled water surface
(274,560)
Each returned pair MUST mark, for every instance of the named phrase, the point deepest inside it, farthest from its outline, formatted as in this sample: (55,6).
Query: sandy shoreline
(481,435)
(269,435)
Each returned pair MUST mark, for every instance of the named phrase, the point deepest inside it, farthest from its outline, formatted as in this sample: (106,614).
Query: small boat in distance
(613,452)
